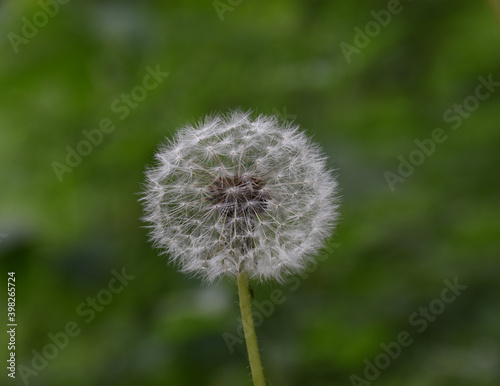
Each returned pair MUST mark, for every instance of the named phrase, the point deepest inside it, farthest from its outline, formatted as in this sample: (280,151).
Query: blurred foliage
(395,249)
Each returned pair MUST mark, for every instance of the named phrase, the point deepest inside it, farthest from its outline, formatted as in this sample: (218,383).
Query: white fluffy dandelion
(232,195)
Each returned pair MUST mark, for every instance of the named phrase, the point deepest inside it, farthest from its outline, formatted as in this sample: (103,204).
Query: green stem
(249,329)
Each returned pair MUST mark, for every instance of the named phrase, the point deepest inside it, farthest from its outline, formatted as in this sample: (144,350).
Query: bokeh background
(391,252)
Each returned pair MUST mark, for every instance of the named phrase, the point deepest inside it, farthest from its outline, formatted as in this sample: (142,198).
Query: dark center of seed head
(238,195)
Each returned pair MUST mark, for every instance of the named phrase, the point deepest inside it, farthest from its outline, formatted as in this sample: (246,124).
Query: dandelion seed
(265,200)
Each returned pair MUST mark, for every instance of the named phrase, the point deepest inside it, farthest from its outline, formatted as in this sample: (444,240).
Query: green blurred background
(392,250)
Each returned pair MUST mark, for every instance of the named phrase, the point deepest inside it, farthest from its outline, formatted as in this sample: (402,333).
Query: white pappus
(233,193)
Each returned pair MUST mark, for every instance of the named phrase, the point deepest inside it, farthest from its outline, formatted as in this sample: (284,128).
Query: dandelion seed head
(233,194)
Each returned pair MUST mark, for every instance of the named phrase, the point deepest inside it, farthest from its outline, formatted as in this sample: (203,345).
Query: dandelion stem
(249,329)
